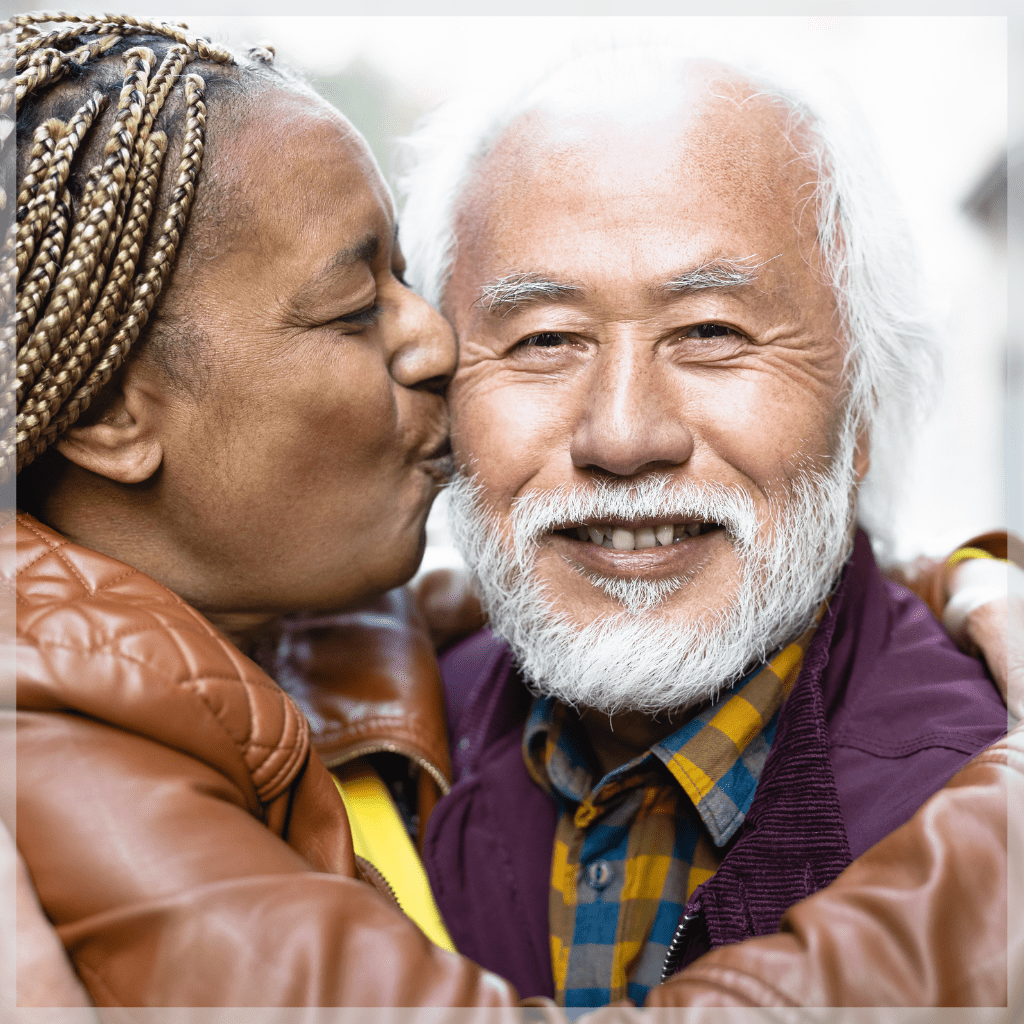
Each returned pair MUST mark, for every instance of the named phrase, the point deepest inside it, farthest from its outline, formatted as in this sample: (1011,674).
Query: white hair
(892,354)
(641,657)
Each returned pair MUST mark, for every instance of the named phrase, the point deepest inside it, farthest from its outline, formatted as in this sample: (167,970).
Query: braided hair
(100,219)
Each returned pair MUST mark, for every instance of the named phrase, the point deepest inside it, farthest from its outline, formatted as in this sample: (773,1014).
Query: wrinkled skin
(297,468)
(612,375)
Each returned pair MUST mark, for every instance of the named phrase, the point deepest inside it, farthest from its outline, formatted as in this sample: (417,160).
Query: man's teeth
(621,539)
(665,534)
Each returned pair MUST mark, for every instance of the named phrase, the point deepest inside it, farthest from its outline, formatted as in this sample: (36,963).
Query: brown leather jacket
(918,920)
(181,834)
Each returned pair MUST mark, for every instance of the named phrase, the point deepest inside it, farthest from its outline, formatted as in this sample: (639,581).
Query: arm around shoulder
(918,920)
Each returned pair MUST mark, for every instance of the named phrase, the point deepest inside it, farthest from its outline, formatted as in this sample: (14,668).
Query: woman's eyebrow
(360,252)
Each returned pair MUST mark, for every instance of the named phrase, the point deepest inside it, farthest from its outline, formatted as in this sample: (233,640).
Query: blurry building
(987,204)
(375,103)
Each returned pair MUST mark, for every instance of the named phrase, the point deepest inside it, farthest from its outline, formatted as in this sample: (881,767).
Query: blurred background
(934,90)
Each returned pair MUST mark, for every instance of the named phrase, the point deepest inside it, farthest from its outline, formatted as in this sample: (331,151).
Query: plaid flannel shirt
(630,851)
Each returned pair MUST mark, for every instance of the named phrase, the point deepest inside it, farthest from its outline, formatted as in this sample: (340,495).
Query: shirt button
(599,874)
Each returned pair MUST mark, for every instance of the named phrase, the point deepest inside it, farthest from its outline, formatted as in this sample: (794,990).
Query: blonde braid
(148,284)
(82,300)
(37,284)
(109,308)
(76,292)
(131,234)
(126,24)
(43,146)
(9,278)
(39,206)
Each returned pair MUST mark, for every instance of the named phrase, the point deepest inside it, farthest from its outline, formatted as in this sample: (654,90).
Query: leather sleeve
(30,951)
(918,920)
(167,891)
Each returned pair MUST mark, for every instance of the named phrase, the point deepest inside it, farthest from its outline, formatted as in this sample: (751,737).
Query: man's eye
(709,331)
(546,339)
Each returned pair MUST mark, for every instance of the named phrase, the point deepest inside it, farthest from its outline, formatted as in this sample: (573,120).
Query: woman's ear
(120,439)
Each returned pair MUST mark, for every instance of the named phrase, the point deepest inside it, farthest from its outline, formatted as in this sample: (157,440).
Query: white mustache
(539,512)
(640,658)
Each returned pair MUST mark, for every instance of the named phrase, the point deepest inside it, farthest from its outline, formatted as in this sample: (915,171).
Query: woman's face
(299,467)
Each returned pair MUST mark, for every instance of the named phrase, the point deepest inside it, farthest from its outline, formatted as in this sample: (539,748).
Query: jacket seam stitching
(300,743)
(56,549)
(864,741)
(734,981)
(156,616)
(189,683)
(370,725)
(159,624)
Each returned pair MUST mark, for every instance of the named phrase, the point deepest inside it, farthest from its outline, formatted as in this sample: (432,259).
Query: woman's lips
(439,462)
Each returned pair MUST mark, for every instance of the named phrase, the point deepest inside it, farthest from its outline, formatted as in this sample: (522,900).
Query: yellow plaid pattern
(630,850)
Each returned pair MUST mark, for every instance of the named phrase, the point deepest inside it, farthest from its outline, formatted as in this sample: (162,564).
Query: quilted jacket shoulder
(97,637)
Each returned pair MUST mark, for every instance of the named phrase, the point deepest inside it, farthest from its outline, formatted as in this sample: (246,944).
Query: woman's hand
(980,601)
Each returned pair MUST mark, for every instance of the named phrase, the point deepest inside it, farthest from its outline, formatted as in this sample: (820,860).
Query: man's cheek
(493,424)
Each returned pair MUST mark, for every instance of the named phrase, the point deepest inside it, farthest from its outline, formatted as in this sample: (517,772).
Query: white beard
(639,658)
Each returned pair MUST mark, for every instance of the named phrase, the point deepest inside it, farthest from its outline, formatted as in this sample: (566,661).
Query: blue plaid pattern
(630,850)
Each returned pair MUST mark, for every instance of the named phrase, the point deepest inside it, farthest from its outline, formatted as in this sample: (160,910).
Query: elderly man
(686,323)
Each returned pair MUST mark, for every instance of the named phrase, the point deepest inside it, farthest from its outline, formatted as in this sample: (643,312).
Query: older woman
(229,406)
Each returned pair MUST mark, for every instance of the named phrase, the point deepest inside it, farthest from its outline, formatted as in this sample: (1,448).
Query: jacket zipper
(392,748)
(375,877)
(674,954)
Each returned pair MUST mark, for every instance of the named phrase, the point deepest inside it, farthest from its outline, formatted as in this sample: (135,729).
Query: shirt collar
(716,756)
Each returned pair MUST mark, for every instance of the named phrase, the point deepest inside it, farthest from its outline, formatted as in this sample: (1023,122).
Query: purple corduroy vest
(884,712)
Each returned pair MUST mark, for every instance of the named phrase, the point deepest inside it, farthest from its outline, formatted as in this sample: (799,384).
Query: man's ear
(120,438)
(862,455)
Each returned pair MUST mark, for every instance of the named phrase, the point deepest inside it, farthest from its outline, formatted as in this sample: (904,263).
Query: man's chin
(616,642)
(650,662)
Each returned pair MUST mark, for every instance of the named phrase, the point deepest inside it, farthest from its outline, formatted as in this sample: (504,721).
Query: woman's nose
(425,351)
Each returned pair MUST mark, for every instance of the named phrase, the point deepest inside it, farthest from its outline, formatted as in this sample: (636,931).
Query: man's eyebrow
(721,272)
(513,291)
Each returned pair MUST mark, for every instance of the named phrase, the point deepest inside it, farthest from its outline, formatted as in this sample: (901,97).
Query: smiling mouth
(621,536)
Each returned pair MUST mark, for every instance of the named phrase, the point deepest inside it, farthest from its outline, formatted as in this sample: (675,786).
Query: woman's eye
(362,318)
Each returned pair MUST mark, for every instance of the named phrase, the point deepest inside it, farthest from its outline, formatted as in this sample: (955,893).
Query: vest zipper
(674,954)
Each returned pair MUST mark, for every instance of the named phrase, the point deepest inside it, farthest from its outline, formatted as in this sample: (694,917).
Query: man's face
(637,302)
(300,469)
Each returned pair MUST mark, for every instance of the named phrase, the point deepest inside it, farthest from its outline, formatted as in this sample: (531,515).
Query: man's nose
(631,418)
(424,352)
